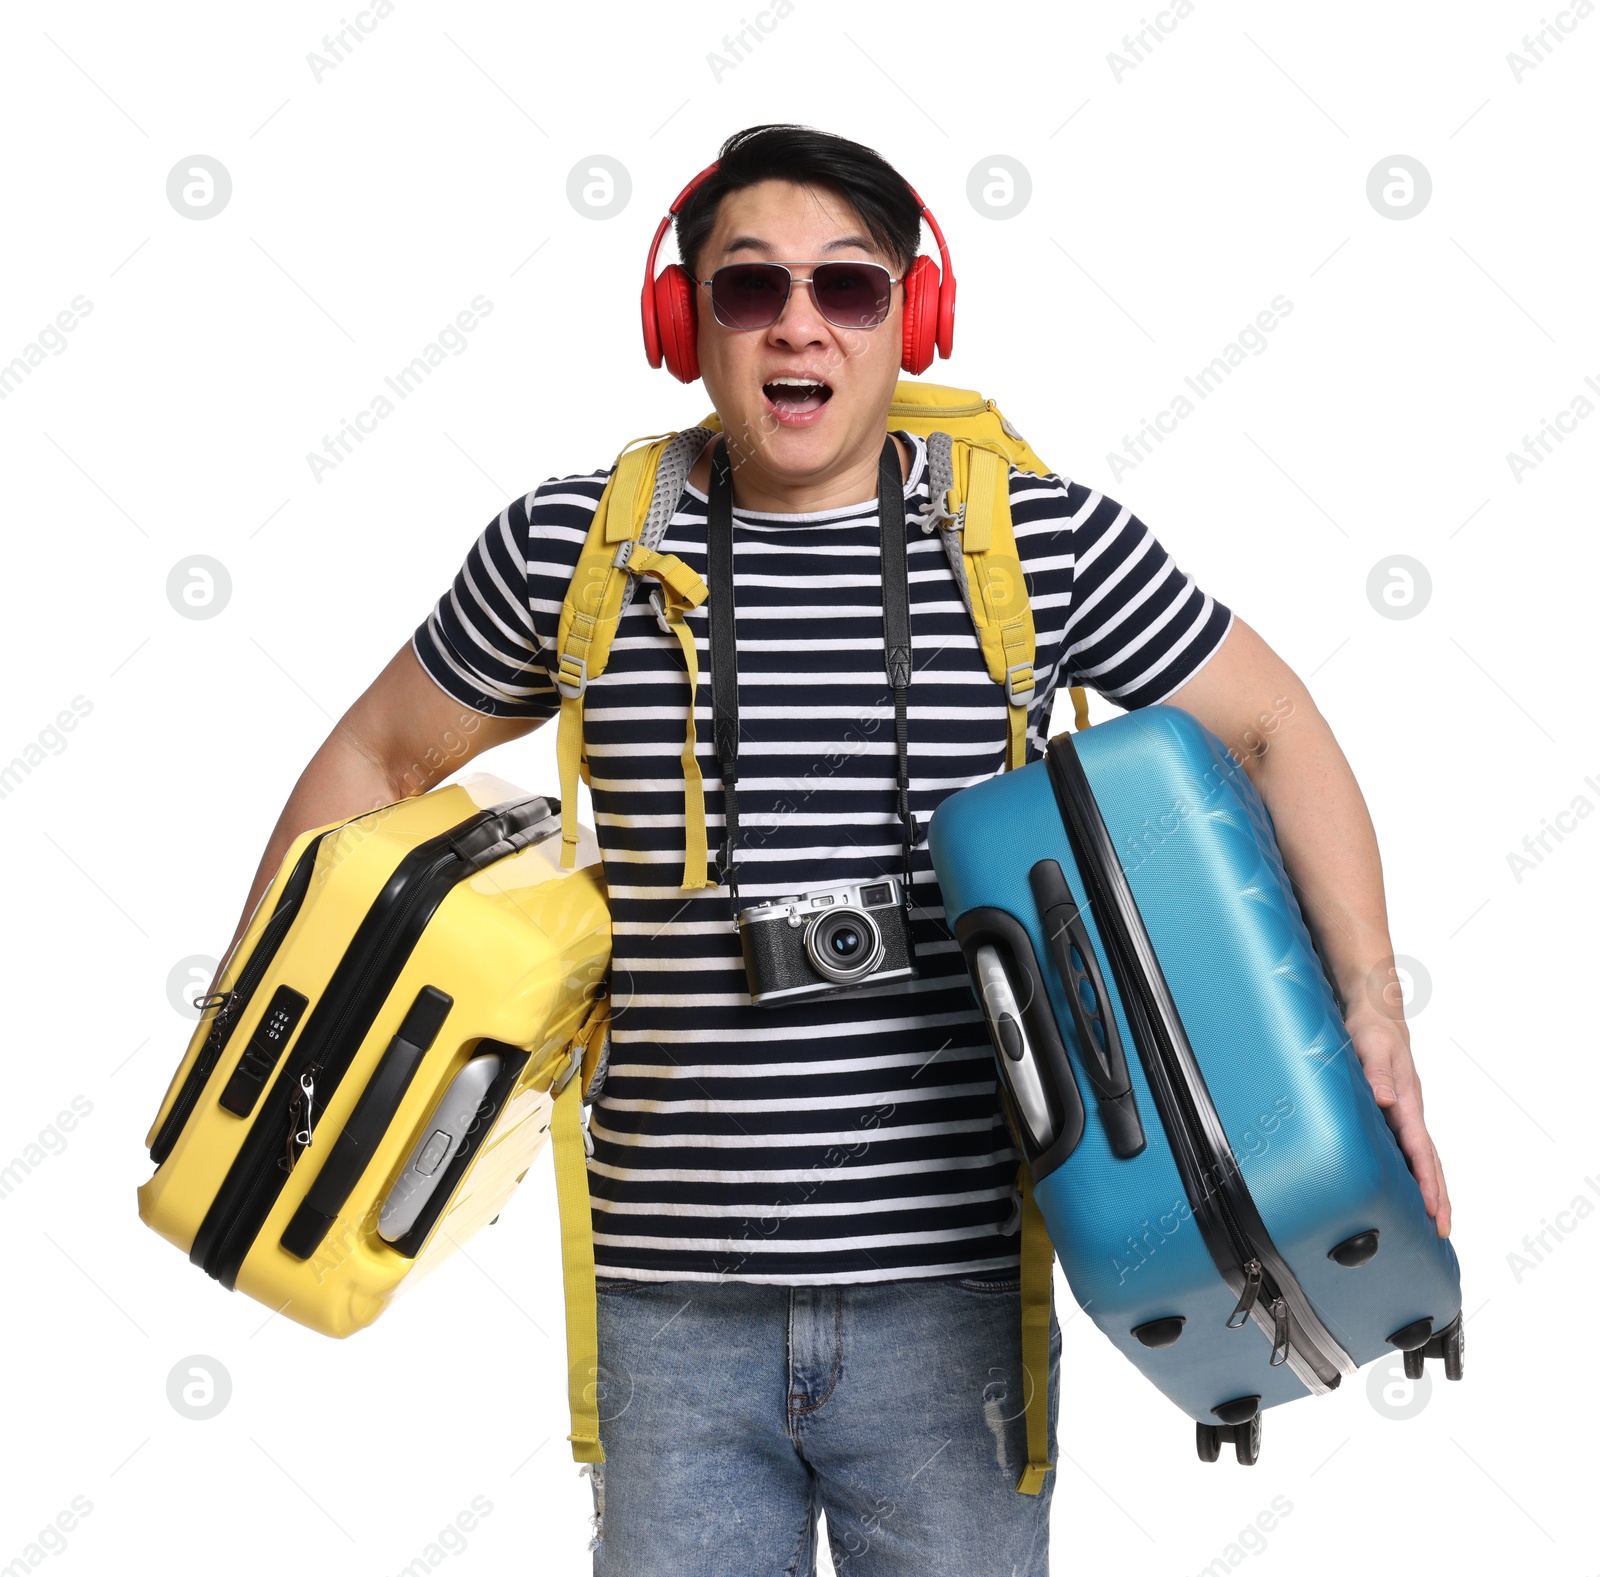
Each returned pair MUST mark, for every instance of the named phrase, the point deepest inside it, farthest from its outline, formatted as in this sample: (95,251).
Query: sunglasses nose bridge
(809,297)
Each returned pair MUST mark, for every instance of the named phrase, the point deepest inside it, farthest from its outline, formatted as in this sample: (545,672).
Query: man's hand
(1384,1046)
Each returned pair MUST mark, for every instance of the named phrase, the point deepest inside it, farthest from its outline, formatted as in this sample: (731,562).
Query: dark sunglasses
(753,295)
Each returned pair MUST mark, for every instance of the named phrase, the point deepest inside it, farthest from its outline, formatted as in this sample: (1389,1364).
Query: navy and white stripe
(857,1137)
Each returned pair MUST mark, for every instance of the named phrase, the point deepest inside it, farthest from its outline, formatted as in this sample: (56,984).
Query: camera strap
(725,657)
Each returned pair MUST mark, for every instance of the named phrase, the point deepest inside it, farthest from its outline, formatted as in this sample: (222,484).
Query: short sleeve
(1137,626)
(479,644)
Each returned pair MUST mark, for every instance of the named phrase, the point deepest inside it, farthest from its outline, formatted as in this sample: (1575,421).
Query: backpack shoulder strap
(968,482)
(620,545)
(969,486)
(1038,1260)
(577,1271)
(568,1077)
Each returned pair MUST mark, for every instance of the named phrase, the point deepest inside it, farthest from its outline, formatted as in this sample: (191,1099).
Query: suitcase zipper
(301,1116)
(289,1135)
(1224,1211)
(1277,1311)
(236,1000)
(1262,1294)
(1280,1331)
(1269,1291)
(270,1145)
(356,993)
(1247,1298)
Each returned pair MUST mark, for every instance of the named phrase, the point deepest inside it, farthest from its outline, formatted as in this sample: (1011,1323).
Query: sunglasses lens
(749,295)
(848,295)
(851,295)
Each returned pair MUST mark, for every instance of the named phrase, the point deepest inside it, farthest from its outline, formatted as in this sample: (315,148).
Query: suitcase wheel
(1246,1438)
(1447,1343)
(1247,1441)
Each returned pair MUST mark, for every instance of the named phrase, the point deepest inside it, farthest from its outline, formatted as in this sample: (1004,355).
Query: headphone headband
(938,236)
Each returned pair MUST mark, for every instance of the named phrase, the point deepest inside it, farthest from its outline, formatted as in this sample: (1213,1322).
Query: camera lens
(844,942)
(844,945)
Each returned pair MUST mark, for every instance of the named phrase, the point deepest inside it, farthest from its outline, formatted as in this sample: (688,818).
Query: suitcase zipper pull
(308,1089)
(300,1107)
(1280,1331)
(227,1005)
(1247,1298)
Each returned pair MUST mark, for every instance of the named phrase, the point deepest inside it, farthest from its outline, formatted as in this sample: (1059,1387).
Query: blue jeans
(731,1414)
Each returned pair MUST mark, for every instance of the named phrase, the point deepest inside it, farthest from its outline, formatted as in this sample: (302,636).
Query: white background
(1168,208)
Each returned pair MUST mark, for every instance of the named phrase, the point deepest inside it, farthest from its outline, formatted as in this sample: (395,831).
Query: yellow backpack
(968,485)
(970,449)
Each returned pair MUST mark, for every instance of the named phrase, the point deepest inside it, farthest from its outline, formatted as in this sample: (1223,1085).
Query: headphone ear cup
(647,323)
(675,322)
(921,321)
(947,315)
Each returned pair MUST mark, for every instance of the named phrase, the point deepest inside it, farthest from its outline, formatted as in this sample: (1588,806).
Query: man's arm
(402,735)
(1253,701)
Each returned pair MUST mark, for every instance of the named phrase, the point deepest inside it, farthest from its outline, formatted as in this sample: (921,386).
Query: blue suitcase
(1225,1196)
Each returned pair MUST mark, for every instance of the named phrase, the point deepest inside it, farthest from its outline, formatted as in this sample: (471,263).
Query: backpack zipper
(909,411)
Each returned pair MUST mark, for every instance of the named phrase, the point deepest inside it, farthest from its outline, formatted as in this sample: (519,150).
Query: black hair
(859,175)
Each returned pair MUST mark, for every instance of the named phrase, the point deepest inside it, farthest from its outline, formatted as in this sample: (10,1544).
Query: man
(805,1215)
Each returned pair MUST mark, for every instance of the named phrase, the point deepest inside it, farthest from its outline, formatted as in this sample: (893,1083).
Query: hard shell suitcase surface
(375,1072)
(1224,1193)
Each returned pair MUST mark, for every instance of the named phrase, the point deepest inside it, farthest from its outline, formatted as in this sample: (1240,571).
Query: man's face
(781,222)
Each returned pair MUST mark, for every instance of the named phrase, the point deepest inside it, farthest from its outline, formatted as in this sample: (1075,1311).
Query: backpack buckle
(1019,683)
(937,513)
(571,675)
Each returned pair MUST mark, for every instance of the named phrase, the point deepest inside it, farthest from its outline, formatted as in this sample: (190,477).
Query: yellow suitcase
(377,1068)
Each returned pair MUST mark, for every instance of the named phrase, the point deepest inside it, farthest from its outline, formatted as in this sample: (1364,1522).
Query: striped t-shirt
(853,1137)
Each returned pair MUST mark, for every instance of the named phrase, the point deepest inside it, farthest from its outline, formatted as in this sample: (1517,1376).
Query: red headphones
(668,304)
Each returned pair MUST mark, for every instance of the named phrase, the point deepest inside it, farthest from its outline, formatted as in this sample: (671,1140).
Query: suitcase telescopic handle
(368,1123)
(506,829)
(1094,1020)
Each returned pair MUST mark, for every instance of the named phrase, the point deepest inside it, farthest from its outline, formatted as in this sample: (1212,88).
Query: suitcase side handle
(1094,1020)
(1026,1040)
(368,1123)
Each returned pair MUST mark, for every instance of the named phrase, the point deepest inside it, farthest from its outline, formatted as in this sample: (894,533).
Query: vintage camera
(828,939)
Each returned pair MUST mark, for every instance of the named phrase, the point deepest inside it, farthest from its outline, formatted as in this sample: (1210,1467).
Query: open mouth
(796,398)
